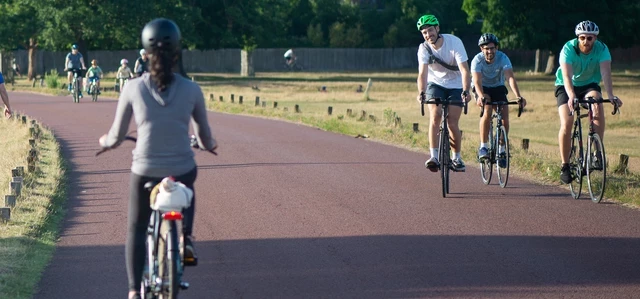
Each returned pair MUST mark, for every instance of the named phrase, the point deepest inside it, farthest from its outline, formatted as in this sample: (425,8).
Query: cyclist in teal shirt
(584,61)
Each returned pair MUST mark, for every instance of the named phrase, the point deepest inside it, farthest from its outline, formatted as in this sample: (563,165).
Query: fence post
(211,97)
(221,99)
(5,214)
(240,100)
(415,127)
(232,98)
(10,201)
(329,110)
(257,101)
(349,112)
(525,145)
(297,108)
(623,164)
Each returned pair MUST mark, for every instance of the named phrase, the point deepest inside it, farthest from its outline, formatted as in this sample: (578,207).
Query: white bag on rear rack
(172,196)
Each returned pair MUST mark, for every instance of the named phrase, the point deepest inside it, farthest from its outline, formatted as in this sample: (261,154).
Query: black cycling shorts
(498,93)
(437,91)
(562,97)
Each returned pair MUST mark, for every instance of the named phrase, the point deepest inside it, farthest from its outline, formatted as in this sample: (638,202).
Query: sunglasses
(589,38)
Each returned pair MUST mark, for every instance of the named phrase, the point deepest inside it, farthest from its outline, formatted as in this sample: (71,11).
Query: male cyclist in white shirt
(443,72)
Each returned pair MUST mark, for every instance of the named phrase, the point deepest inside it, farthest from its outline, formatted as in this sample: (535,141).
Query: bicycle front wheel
(169,260)
(444,158)
(502,165)
(486,165)
(76,92)
(575,163)
(596,168)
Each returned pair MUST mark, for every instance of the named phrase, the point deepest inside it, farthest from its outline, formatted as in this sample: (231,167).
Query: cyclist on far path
(124,73)
(489,69)
(442,72)
(141,63)
(5,98)
(74,60)
(164,104)
(584,61)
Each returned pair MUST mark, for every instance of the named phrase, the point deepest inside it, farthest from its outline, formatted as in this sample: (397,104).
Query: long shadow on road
(385,266)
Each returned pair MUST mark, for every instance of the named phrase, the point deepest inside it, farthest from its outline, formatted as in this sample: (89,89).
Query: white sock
(434,152)
(484,144)
(456,156)
(501,148)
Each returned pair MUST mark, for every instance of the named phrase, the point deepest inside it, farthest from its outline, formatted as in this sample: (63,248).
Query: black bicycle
(497,138)
(444,147)
(591,163)
(165,260)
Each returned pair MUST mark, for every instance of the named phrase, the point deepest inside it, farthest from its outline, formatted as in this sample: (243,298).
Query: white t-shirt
(452,52)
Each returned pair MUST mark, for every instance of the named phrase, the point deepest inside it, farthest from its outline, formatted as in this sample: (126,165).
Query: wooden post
(240,100)
(32,142)
(20,170)
(363,115)
(372,118)
(10,201)
(525,145)
(257,101)
(275,104)
(32,132)
(16,188)
(349,112)
(24,119)
(415,127)
(398,122)
(5,214)
(211,97)
(232,98)
(14,173)
(221,99)
(329,110)
(623,164)
(297,108)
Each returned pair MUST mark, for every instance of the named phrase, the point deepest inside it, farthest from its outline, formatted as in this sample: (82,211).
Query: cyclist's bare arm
(605,70)
(567,74)
(84,67)
(477,83)
(5,98)
(423,75)
(508,74)
(466,78)
(118,130)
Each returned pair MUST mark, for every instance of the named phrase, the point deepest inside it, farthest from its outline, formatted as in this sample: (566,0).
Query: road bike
(444,147)
(591,163)
(165,260)
(497,138)
(75,84)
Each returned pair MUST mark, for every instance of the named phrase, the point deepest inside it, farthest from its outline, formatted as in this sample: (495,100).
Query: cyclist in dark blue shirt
(5,97)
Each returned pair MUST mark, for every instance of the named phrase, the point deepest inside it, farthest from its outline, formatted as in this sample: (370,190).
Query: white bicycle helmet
(142,52)
(123,61)
(587,27)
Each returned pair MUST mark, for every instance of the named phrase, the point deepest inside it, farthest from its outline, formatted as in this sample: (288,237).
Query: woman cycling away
(164,103)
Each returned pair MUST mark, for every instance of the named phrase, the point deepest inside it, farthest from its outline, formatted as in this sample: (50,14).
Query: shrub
(52,79)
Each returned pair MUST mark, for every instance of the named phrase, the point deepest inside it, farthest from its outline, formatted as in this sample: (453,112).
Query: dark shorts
(562,97)
(498,93)
(80,72)
(437,91)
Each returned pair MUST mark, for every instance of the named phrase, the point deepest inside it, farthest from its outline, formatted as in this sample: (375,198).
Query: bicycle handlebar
(438,101)
(593,100)
(501,103)
(134,139)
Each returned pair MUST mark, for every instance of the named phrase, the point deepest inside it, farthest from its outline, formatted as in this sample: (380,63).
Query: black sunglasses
(589,38)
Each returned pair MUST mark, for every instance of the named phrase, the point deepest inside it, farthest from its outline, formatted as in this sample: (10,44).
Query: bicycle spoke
(502,162)
(596,168)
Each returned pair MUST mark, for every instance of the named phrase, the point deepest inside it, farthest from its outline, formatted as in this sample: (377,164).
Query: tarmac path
(289,211)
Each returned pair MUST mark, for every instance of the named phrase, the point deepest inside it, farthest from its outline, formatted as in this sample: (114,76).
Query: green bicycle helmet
(427,20)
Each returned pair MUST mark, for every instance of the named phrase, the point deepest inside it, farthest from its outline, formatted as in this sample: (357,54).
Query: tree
(21,28)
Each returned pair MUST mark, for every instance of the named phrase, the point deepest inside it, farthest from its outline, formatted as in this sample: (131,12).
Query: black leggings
(139,214)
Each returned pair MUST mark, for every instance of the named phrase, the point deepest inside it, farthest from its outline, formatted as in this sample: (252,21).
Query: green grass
(27,241)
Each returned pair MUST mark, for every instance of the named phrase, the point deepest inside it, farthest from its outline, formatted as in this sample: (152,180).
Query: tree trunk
(536,68)
(33,45)
(551,63)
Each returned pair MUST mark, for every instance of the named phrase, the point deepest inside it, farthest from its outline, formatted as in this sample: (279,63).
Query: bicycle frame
(444,146)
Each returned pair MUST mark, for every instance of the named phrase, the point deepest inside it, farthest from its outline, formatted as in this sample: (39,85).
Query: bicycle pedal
(190,261)
(184,285)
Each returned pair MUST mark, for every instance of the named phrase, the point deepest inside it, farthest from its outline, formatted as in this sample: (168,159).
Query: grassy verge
(27,241)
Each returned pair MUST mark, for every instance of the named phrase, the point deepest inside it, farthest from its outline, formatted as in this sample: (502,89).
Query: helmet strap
(437,38)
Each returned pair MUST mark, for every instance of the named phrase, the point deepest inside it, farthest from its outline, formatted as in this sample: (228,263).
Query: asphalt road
(289,211)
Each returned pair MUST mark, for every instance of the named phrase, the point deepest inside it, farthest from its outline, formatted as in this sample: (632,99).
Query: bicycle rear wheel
(486,165)
(596,168)
(168,260)
(76,91)
(503,170)
(575,163)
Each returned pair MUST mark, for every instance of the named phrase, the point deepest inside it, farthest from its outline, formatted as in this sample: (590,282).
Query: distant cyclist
(5,98)
(94,74)
(164,104)
(124,73)
(141,63)
(442,72)
(289,57)
(75,61)
(584,61)
(489,69)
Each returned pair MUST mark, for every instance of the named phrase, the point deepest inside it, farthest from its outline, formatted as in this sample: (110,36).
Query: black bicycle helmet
(488,38)
(161,33)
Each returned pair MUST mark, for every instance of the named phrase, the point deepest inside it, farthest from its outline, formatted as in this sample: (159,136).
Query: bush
(52,79)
